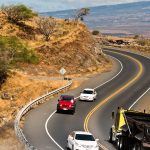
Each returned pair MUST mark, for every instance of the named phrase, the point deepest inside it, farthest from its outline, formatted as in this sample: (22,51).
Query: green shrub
(12,50)
(95,32)
(16,13)
(136,36)
(17,51)
(4,68)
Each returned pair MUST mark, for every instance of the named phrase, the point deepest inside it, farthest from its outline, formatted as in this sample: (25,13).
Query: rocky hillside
(71,46)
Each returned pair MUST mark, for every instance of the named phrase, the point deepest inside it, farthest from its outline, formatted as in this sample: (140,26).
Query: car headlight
(91,97)
(97,147)
(78,145)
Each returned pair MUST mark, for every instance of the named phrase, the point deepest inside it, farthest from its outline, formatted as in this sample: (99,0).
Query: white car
(88,95)
(80,140)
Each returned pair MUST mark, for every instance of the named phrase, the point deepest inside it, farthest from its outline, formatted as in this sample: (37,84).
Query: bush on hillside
(46,26)
(17,13)
(4,68)
(17,51)
(12,50)
(143,42)
(95,32)
(136,36)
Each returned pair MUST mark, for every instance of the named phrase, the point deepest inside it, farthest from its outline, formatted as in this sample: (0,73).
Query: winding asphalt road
(127,81)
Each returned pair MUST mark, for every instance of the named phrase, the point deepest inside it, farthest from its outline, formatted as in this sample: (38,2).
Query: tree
(17,13)
(6,56)
(95,32)
(81,13)
(136,36)
(46,26)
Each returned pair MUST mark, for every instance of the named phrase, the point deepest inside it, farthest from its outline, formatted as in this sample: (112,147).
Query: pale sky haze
(55,5)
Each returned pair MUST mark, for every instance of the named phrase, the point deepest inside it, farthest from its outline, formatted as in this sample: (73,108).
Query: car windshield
(67,98)
(87,92)
(84,137)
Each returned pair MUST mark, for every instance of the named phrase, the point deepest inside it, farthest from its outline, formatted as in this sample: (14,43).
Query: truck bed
(138,118)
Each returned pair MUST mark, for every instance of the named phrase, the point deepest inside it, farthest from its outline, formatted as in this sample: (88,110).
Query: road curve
(60,125)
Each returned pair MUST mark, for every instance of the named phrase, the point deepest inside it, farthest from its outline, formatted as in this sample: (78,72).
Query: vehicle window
(67,98)
(84,137)
(87,92)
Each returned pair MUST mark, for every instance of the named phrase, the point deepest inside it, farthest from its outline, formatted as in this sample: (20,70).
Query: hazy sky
(54,5)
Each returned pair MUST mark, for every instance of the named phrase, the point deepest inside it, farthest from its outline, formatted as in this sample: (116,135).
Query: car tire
(72,147)
(93,100)
(73,111)
(58,110)
(122,143)
(137,146)
(67,146)
(110,136)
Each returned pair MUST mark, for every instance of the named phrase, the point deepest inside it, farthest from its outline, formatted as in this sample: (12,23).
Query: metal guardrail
(27,108)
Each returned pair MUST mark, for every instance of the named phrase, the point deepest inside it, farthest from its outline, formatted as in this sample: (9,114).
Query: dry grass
(140,45)
(8,139)
(22,89)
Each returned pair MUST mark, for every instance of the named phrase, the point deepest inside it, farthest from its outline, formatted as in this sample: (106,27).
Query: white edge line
(77,98)
(49,133)
(139,98)
(114,76)
(148,88)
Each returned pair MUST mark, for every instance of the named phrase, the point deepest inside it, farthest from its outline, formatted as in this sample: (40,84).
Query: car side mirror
(97,140)
(113,115)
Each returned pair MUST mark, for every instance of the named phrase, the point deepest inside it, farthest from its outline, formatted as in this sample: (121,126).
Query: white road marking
(146,90)
(139,98)
(49,133)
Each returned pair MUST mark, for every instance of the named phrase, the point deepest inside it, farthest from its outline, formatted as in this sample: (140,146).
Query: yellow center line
(86,121)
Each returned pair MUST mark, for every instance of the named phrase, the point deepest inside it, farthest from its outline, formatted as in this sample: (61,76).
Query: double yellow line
(86,121)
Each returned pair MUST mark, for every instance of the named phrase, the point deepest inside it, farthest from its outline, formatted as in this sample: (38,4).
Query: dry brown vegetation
(136,44)
(71,45)
(20,90)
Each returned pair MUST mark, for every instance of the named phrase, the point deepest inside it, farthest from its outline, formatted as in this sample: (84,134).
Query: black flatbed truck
(131,130)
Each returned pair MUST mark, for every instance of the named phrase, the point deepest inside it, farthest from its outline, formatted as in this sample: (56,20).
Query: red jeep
(66,103)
